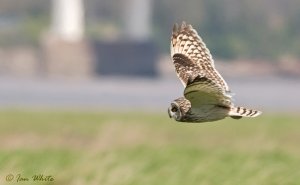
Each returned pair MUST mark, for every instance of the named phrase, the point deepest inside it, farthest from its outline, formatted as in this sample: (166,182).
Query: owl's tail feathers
(239,112)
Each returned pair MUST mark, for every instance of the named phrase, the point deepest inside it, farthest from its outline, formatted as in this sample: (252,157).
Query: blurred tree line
(232,29)
(237,28)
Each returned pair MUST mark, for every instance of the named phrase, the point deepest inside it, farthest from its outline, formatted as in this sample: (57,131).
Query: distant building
(67,53)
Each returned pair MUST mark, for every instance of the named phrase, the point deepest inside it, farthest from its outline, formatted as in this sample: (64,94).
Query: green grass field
(105,148)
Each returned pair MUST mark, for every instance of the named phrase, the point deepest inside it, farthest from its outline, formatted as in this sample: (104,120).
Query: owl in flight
(206,95)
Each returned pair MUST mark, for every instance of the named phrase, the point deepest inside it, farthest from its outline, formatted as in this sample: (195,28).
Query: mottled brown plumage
(206,95)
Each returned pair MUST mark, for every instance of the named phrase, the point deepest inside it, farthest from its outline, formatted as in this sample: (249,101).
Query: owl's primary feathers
(206,95)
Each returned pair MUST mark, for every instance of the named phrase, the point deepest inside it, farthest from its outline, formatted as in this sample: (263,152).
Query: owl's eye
(174,109)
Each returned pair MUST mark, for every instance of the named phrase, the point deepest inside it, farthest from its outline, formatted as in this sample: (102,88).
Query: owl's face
(175,111)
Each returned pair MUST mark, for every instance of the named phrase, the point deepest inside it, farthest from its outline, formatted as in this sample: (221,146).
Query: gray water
(267,94)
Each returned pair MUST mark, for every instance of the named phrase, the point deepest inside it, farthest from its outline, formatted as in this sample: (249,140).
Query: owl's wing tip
(183,24)
(175,27)
(181,27)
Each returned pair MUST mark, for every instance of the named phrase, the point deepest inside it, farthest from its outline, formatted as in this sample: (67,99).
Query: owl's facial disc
(174,111)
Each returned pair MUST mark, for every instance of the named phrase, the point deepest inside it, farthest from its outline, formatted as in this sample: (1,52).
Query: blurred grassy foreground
(106,148)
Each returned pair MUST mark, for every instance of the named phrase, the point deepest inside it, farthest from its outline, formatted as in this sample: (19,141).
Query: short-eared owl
(206,95)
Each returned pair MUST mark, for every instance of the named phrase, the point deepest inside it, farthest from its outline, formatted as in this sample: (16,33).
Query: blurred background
(109,54)
(85,84)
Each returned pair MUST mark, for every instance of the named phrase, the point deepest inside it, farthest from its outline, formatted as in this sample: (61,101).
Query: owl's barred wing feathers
(186,69)
(190,56)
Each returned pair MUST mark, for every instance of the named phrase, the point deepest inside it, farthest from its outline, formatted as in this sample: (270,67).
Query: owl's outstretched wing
(205,92)
(192,58)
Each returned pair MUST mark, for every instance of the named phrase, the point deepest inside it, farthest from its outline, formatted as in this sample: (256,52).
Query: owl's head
(175,111)
(179,109)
